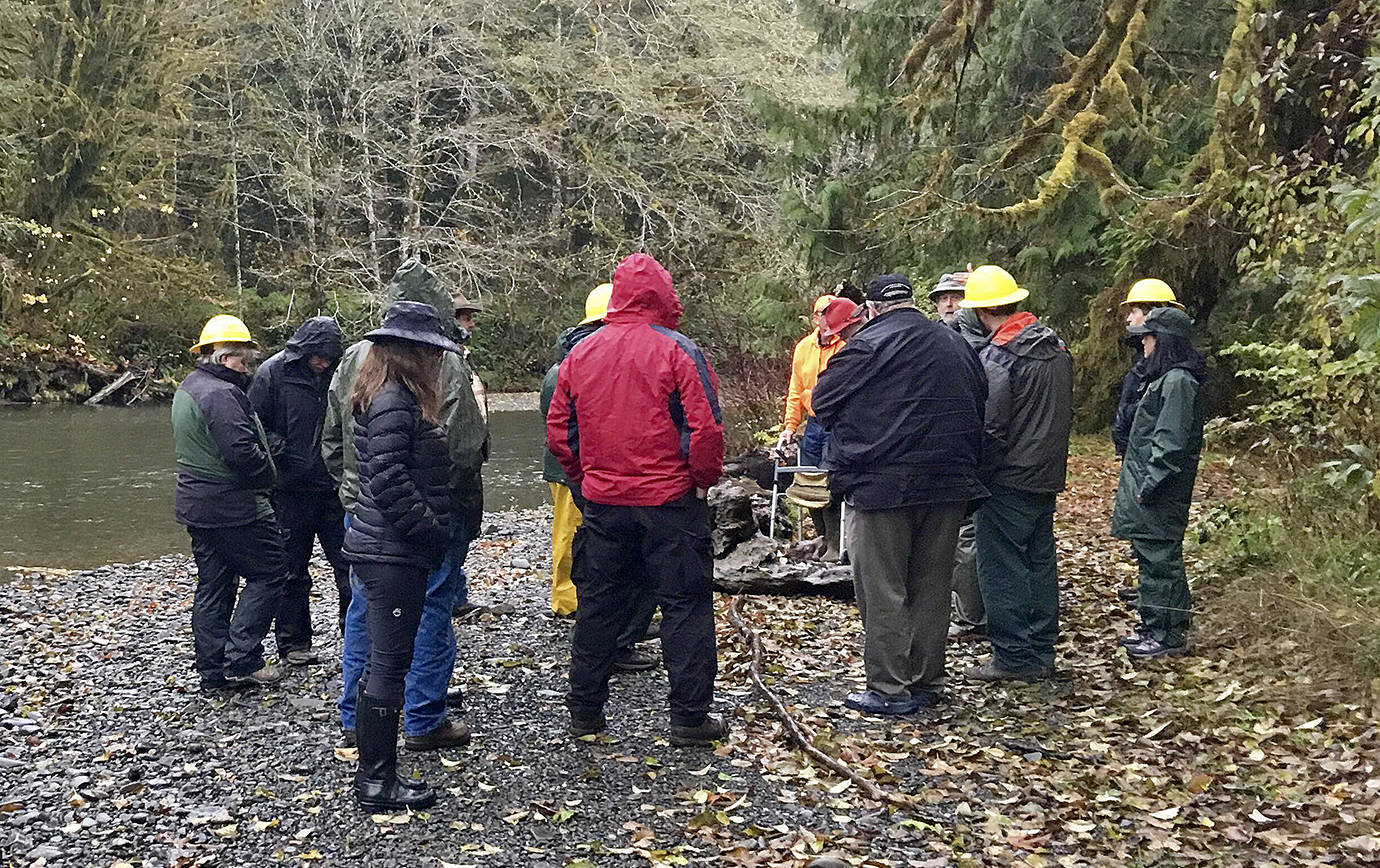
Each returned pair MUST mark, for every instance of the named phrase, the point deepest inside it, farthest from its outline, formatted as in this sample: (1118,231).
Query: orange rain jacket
(807,362)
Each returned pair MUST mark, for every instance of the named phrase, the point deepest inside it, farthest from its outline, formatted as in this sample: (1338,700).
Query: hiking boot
(927,698)
(991,673)
(346,740)
(1128,595)
(455,698)
(634,660)
(451,733)
(872,702)
(586,725)
(265,674)
(301,657)
(1139,636)
(1150,647)
(711,729)
(967,632)
(377,785)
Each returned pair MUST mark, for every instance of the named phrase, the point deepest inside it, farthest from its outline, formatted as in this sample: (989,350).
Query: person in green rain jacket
(1156,485)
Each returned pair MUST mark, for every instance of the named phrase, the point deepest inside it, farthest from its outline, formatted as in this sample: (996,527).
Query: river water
(86,486)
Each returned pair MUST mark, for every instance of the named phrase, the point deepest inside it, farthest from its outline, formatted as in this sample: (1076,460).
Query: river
(86,486)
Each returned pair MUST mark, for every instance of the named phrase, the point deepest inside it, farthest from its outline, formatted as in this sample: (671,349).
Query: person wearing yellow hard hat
(1144,296)
(225,476)
(1025,458)
(809,359)
(566,516)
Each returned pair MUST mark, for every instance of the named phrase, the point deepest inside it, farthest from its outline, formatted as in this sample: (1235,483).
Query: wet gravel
(109,753)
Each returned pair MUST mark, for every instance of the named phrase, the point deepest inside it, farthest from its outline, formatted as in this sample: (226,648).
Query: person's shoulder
(678,340)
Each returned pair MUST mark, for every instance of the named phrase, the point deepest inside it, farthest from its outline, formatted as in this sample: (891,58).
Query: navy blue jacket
(904,404)
(290,399)
(1131,390)
(404,513)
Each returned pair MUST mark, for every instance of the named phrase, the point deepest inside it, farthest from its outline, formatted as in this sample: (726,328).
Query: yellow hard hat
(597,303)
(823,301)
(1151,290)
(991,286)
(222,328)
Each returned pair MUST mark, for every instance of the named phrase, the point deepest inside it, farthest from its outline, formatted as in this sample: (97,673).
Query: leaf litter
(1228,757)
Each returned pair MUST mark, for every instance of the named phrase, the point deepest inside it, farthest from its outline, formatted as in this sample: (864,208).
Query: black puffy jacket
(904,403)
(290,399)
(404,513)
(551,470)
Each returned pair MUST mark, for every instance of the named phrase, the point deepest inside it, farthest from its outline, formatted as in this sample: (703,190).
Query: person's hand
(785,440)
(702,493)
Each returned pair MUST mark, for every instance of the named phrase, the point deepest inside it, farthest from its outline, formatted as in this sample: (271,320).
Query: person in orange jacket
(811,357)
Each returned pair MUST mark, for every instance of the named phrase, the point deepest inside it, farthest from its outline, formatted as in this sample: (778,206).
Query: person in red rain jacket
(635,423)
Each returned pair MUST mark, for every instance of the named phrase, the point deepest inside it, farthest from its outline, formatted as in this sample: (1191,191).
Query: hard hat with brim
(416,322)
(597,303)
(810,490)
(1151,291)
(1166,321)
(222,329)
(992,286)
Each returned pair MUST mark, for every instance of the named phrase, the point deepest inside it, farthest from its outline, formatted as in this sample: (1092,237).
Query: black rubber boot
(377,785)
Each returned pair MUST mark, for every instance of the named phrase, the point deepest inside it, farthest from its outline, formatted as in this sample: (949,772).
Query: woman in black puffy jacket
(400,529)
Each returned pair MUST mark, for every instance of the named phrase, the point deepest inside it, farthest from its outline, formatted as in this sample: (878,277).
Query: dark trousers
(394,595)
(306,516)
(1019,576)
(228,634)
(622,554)
(903,563)
(1165,601)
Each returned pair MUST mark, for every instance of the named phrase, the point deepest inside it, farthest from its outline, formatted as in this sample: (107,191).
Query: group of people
(944,441)
(947,440)
(376,451)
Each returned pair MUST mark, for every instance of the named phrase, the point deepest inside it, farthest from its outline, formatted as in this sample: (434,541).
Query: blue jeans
(812,440)
(433,654)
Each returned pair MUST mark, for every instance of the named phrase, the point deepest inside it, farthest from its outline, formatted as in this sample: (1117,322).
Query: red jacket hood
(643,293)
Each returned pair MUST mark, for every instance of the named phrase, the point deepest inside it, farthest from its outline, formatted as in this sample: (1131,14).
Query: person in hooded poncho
(1163,447)
(288,393)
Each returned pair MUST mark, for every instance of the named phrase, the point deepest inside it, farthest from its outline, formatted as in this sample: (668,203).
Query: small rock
(44,851)
(521,564)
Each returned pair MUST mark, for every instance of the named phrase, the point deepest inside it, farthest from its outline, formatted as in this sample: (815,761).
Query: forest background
(164,160)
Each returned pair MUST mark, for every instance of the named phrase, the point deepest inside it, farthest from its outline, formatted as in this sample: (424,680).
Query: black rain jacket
(904,402)
(404,513)
(290,399)
(1029,409)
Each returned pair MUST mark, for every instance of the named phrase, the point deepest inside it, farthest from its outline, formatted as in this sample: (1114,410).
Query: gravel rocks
(109,752)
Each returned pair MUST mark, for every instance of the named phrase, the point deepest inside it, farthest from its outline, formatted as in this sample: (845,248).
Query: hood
(1024,335)
(414,281)
(643,293)
(572,336)
(318,336)
(967,324)
(1196,365)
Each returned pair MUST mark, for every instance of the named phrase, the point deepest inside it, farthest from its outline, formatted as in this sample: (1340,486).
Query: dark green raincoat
(1161,462)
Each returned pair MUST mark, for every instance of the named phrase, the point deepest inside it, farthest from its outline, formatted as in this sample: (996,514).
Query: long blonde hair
(414,366)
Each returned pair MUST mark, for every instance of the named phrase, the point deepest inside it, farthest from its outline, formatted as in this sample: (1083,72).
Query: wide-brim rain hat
(416,322)
(810,490)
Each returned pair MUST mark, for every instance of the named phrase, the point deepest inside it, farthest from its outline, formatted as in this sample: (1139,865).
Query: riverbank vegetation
(165,160)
